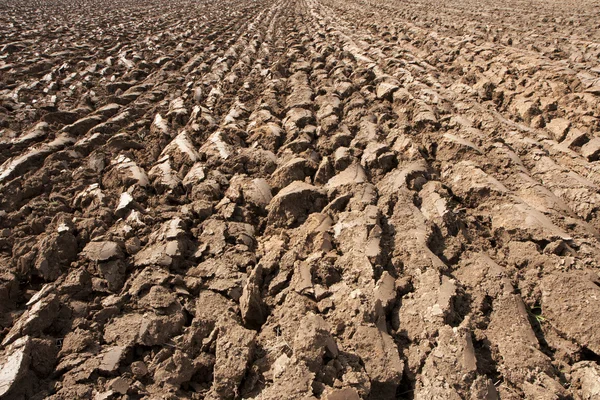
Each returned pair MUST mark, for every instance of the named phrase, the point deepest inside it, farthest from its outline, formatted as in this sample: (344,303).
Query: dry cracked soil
(300,199)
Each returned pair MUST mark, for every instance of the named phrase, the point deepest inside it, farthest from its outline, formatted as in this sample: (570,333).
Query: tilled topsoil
(312,199)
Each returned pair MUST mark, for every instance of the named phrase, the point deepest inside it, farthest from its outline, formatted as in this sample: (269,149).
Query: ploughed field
(311,199)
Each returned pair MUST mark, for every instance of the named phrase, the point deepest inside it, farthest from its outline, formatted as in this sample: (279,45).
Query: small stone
(575,138)
(194,176)
(111,359)
(258,193)
(538,121)
(175,370)
(485,89)
(591,150)
(526,109)
(14,362)
(40,316)
(104,395)
(313,342)
(125,203)
(548,104)
(133,245)
(324,172)
(559,128)
(351,175)
(342,158)
(385,90)
(280,365)
(251,304)
(343,394)
(294,203)
(586,376)
(102,251)
(158,297)
(297,118)
(293,170)
(119,385)
(385,290)
(139,369)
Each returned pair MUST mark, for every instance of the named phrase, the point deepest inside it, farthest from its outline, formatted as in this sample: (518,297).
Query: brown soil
(313,199)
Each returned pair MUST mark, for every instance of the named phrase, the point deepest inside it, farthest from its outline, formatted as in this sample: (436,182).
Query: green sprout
(537,315)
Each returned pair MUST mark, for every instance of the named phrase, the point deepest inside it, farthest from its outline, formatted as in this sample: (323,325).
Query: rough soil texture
(312,199)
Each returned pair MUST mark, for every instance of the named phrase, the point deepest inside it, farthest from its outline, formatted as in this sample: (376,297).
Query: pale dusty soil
(312,199)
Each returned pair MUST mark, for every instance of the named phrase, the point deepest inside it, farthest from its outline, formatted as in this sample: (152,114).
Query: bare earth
(312,199)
